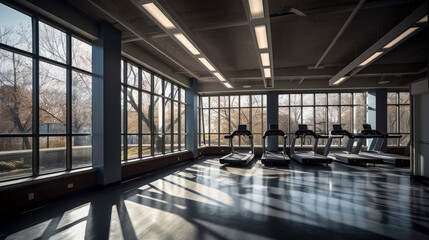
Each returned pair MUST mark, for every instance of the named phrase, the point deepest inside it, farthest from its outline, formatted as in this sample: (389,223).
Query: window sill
(153,158)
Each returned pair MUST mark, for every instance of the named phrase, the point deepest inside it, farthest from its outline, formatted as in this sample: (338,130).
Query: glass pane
(224,141)
(15,28)
(321,99)
(392,119)
(284,119)
(176,143)
(405,139)
(133,146)
(359,98)
(233,101)
(283,99)
(308,117)
(183,142)
(205,102)
(146,145)
(333,99)
(224,121)
(214,121)
(264,100)
(122,109)
(404,118)
(307,99)
(264,119)
(295,99)
(392,98)
(167,143)
(157,85)
(256,120)
(145,112)
(81,103)
(146,81)
(182,95)
(122,148)
(52,43)
(52,156)
(244,101)
(359,118)
(81,54)
(321,116)
(133,116)
(224,101)
(16,101)
(295,118)
(158,144)
(256,100)
(346,118)
(214,102)
(122,71)
(167,112)
(15,156)
(158,113)
(182,118)
(175,93)
(167,89)
(214,140)
(234,119)
(52,98)
(132,75)
(346,98)
(404,98)
(333,116)
(257,139)
(245,117)
(82,151)
(176,117)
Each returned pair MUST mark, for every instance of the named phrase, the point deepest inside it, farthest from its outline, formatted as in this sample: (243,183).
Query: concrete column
(377,112)
(192,118)
(272,118)
(106,97)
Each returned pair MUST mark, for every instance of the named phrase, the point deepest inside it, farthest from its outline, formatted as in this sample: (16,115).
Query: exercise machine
(239,157)
(308,157)
(274,157)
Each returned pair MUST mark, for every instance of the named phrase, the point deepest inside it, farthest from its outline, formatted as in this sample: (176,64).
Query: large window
(153,114)
(320,111)
(398,117)
(221,115)
(45,97)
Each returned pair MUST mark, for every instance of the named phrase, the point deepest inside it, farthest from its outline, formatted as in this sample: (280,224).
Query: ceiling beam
(118,18)
(378,49)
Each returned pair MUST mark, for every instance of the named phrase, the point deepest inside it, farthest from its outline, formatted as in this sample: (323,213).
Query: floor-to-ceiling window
(398,117)
(153,114)
(320,111)
(45,97)
(221,115)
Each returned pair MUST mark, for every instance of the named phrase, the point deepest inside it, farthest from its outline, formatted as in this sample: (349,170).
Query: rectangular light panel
(261,36)
(400,37)
(267,72)
(340,80)
(423,20)
(265,58)
(227,85)
(370,59)
(158,15)
(219,76)
(207,64)
(185,42)
(256,9)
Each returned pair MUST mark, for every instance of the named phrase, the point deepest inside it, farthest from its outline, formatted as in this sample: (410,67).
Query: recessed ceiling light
(261,36)
(370,59)
(340,80)
(265,58)
(207,64)
(247,86)
(185,42)
(384,82)
(220,77)
(423,20)
(256,9)
(156,13)
(267,72)
(400,37)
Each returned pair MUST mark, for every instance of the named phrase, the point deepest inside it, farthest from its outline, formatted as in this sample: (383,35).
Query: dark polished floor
(205,200)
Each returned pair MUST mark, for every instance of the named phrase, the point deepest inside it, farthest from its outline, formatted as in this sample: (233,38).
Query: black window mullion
(140,118)
(152,116)
(35,163)
(163,115)
(125,123)
(69,104)
(179,120)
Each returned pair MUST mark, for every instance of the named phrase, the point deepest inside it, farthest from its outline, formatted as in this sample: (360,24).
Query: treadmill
(348,156)
(239,157)
(374,150)
(308,157)
(274,157)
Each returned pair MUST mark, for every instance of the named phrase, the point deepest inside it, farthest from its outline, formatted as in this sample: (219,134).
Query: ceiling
(220,29)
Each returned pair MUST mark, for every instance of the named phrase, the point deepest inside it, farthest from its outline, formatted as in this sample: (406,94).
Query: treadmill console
(242,127)
(274,127)
(302,127)
(337,127)
(367,126)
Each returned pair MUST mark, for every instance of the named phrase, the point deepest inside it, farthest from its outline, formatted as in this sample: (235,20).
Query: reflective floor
(202,199)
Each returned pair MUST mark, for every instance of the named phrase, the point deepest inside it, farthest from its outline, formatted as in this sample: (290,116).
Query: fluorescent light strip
(267,72)
(227,85)
(261,36)
(158,15)
(340,80)
(423,20)
(207,64)
(400,37)
(256,9)
(265,59)
(370,59)
(185,42)
(218,76)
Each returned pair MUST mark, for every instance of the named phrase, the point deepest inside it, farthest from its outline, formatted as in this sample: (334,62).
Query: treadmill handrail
(284,141)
